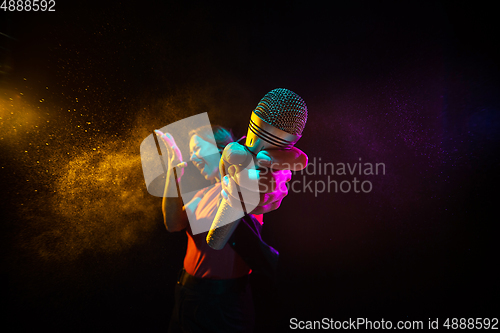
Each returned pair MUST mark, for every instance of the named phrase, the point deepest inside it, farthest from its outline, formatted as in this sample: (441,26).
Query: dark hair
(221,135)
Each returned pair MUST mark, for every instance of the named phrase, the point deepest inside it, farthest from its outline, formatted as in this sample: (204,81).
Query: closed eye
(195,149)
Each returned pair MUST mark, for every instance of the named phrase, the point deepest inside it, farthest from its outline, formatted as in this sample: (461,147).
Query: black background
(412,85)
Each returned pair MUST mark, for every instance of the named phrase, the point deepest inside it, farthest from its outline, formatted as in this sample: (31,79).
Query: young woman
(212,293)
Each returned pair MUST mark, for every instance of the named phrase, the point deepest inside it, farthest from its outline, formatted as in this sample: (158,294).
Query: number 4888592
(28,5)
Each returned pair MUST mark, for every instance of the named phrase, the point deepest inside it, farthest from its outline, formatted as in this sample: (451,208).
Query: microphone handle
(221,231)
(219,234)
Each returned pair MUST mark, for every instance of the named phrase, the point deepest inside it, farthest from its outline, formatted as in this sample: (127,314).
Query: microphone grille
(283,109)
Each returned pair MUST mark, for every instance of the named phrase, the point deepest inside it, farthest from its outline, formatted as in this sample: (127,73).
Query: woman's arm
(174,217)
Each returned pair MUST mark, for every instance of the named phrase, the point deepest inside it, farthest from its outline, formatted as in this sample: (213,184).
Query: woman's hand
(174,153)
(173,216)
(268,180)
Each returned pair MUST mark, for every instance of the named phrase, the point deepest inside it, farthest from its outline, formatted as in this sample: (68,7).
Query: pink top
(203,261)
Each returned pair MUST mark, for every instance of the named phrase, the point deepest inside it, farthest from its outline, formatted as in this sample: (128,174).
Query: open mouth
(200,165)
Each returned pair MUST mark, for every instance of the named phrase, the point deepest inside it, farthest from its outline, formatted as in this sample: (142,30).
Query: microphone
(277,122)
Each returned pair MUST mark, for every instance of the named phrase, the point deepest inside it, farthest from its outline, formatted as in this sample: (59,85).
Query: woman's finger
(246,178)
(251,198)
(268,180)
(234,153)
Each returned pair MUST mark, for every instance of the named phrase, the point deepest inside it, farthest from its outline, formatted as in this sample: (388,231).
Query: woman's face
(205,157)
